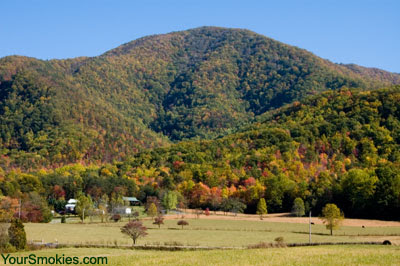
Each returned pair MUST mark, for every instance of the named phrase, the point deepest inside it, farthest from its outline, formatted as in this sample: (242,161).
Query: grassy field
(220,232)
(320,255)
(206,232)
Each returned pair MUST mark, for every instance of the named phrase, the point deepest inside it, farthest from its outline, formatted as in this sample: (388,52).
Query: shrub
(116,217)
(260,245)
(279,240)
(173,243)
(8,248)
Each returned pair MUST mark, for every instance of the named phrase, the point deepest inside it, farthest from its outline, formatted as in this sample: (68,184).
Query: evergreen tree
(262,208)
(17,235)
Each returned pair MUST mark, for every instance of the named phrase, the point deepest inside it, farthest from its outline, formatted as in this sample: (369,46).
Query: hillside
(196,84)
(339,147)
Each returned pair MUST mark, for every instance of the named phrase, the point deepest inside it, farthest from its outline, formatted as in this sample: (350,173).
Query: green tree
(152,210)
(116,201)
(169,200)
(233,205)
(278,186)
(331,216)
(17,235)
(262,208)
(358,188)
(387,194)
(84,206)
(38,203)
(298,208)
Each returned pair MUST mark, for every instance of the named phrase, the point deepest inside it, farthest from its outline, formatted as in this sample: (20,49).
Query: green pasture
(319,255)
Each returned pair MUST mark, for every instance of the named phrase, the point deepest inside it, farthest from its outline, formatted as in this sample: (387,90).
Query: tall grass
(320,255)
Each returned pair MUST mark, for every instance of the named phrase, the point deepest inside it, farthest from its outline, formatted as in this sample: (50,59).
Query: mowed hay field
(207,232)
(318,255)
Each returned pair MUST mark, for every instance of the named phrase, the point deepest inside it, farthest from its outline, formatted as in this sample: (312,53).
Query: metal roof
(130,199)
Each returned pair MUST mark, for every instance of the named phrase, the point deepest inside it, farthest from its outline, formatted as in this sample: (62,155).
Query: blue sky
(363,32)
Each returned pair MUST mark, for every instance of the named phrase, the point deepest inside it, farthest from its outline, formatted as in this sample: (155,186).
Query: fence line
(181,247)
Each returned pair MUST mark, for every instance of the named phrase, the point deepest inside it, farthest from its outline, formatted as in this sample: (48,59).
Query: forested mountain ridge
(195,84)
(340,146)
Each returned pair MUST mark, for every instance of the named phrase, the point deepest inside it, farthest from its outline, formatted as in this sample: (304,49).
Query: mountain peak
(198,83)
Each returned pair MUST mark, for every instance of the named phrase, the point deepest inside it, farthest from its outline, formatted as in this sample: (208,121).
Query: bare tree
(159,221)
(198,212)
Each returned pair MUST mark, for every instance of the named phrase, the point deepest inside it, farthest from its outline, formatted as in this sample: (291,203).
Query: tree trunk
(331,232)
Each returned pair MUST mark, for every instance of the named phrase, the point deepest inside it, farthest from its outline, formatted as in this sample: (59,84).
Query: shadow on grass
(344,234)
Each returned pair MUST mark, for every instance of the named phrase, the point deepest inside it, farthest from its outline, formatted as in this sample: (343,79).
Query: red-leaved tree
(134,229)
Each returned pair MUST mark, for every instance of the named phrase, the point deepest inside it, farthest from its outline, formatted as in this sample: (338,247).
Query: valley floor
(213,231)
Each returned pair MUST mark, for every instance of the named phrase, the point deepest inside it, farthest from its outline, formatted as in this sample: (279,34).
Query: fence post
(309,240)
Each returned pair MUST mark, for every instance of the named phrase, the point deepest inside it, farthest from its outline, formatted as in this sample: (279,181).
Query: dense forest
(196,84)
(340,147)
(211,117)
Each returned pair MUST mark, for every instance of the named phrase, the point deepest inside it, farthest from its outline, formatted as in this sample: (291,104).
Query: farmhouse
(132,201)
(70,206)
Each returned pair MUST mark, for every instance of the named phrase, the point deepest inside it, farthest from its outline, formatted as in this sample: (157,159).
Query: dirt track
(283,218)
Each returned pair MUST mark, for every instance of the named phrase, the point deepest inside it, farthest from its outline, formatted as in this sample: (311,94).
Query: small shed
(132,201)
(122,210)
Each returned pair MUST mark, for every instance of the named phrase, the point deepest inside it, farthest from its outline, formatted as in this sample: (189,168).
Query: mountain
(196,84)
